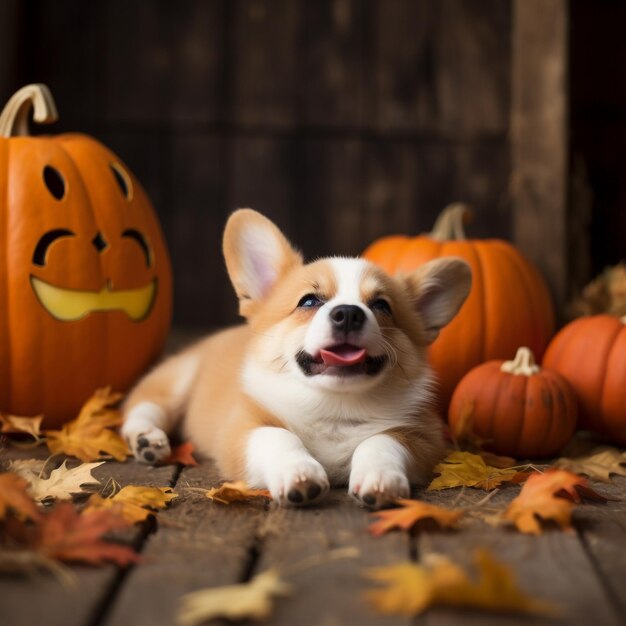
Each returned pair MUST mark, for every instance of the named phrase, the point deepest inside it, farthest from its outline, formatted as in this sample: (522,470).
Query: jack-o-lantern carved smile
(69,305)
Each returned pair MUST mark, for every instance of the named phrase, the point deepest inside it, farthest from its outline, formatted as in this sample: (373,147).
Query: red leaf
(182,454)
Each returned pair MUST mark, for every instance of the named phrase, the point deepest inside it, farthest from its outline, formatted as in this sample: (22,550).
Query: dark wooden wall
(343,120)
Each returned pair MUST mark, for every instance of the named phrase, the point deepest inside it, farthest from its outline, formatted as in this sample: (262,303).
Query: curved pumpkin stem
(623,319)
(449,224)
(523,364)
(14,117)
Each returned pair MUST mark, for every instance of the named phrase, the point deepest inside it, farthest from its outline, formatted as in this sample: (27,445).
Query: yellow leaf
(16,424)
(89,437)
(248,600)
(598,463)
(464,469)
(409,513)
(133,502)
(233,492)
(411,588)
(61,483)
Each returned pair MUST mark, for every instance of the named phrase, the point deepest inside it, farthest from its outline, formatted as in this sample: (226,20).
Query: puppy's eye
(310,301)
(380,306)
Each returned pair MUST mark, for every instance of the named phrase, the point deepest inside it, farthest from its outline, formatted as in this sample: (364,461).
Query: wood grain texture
(43,599)
(199,544)
(539,137)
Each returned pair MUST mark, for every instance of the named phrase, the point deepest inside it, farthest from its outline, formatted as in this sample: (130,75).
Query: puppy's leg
(155,405)
(385,465)
(276,459)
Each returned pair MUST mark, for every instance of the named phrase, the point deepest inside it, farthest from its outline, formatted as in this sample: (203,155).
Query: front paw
(150,447)
(377,488)
(299,484)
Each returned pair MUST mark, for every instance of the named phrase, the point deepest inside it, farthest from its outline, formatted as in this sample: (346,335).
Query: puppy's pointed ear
(438,289)
(257,254)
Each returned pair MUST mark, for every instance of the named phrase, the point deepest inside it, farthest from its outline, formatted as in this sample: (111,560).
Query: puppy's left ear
(438,289)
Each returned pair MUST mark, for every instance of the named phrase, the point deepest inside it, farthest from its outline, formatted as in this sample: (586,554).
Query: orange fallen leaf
(66,535)
(89,436)
(409,514)
(134,503)
(548,496)
(14,424)
(14,496)
(464,469)
(234,492)
(182,454)
(412,589)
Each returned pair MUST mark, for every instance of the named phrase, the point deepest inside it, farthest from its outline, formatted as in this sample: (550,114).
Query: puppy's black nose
(347,317)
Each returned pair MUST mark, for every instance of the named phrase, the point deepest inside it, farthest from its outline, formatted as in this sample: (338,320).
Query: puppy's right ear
(257,254)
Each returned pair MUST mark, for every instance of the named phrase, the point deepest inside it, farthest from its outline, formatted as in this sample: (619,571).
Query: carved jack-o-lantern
(85,278)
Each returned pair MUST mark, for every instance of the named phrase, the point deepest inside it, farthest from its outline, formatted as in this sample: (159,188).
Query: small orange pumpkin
(85,278)
(509,304)
(519,409)
(590,353)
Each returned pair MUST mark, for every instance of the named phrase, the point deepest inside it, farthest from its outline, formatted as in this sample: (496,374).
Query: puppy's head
(338,323)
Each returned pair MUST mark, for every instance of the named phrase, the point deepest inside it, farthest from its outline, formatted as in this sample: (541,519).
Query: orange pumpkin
(590,353)
(517,408)
(509,304)
(85,278)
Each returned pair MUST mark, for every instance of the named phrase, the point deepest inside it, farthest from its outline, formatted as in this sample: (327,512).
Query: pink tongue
(343,355)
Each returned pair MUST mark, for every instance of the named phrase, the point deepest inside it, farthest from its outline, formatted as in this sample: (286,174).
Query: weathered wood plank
(553,566)
(329,592)
(539,137)
(57,605)
(198,544)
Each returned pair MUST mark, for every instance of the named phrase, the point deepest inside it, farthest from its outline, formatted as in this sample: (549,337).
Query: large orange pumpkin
(509,304)
(85,278)
(518,408)
(590,353)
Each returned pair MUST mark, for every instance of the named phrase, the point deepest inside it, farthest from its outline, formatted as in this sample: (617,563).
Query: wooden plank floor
(197,544)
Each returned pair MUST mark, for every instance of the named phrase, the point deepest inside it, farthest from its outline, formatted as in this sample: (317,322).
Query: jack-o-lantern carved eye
(41,249)
(54,182)
(135,235)
(123,180)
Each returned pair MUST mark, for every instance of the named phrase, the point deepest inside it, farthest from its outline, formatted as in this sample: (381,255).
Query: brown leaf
(548,496)
(464,469)
(234,492)
(253,599)
(134,503)
(598,463)
(182,454)
(89,436)
(411,589)
(409,514)
(66,535)
(14,424)
(14,496)
(604,294)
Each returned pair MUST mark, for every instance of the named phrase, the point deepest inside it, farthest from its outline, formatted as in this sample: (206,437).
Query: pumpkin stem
(449,224)
(14,117)
(523,364)
(623,319)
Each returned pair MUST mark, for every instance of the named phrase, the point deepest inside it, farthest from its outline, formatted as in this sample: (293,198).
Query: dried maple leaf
(234,492)
(598,463)
(182,454)
(14,424)
(62,482)
(89,436)
(464,469)
(65,535)
(547,496)
(409,514)
(134,503)
(411,588)
(14,496)
(253,599)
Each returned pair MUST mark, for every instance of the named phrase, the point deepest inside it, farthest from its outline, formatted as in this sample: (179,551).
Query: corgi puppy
(326,383)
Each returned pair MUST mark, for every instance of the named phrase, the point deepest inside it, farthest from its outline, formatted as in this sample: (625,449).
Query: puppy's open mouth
(340,360)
